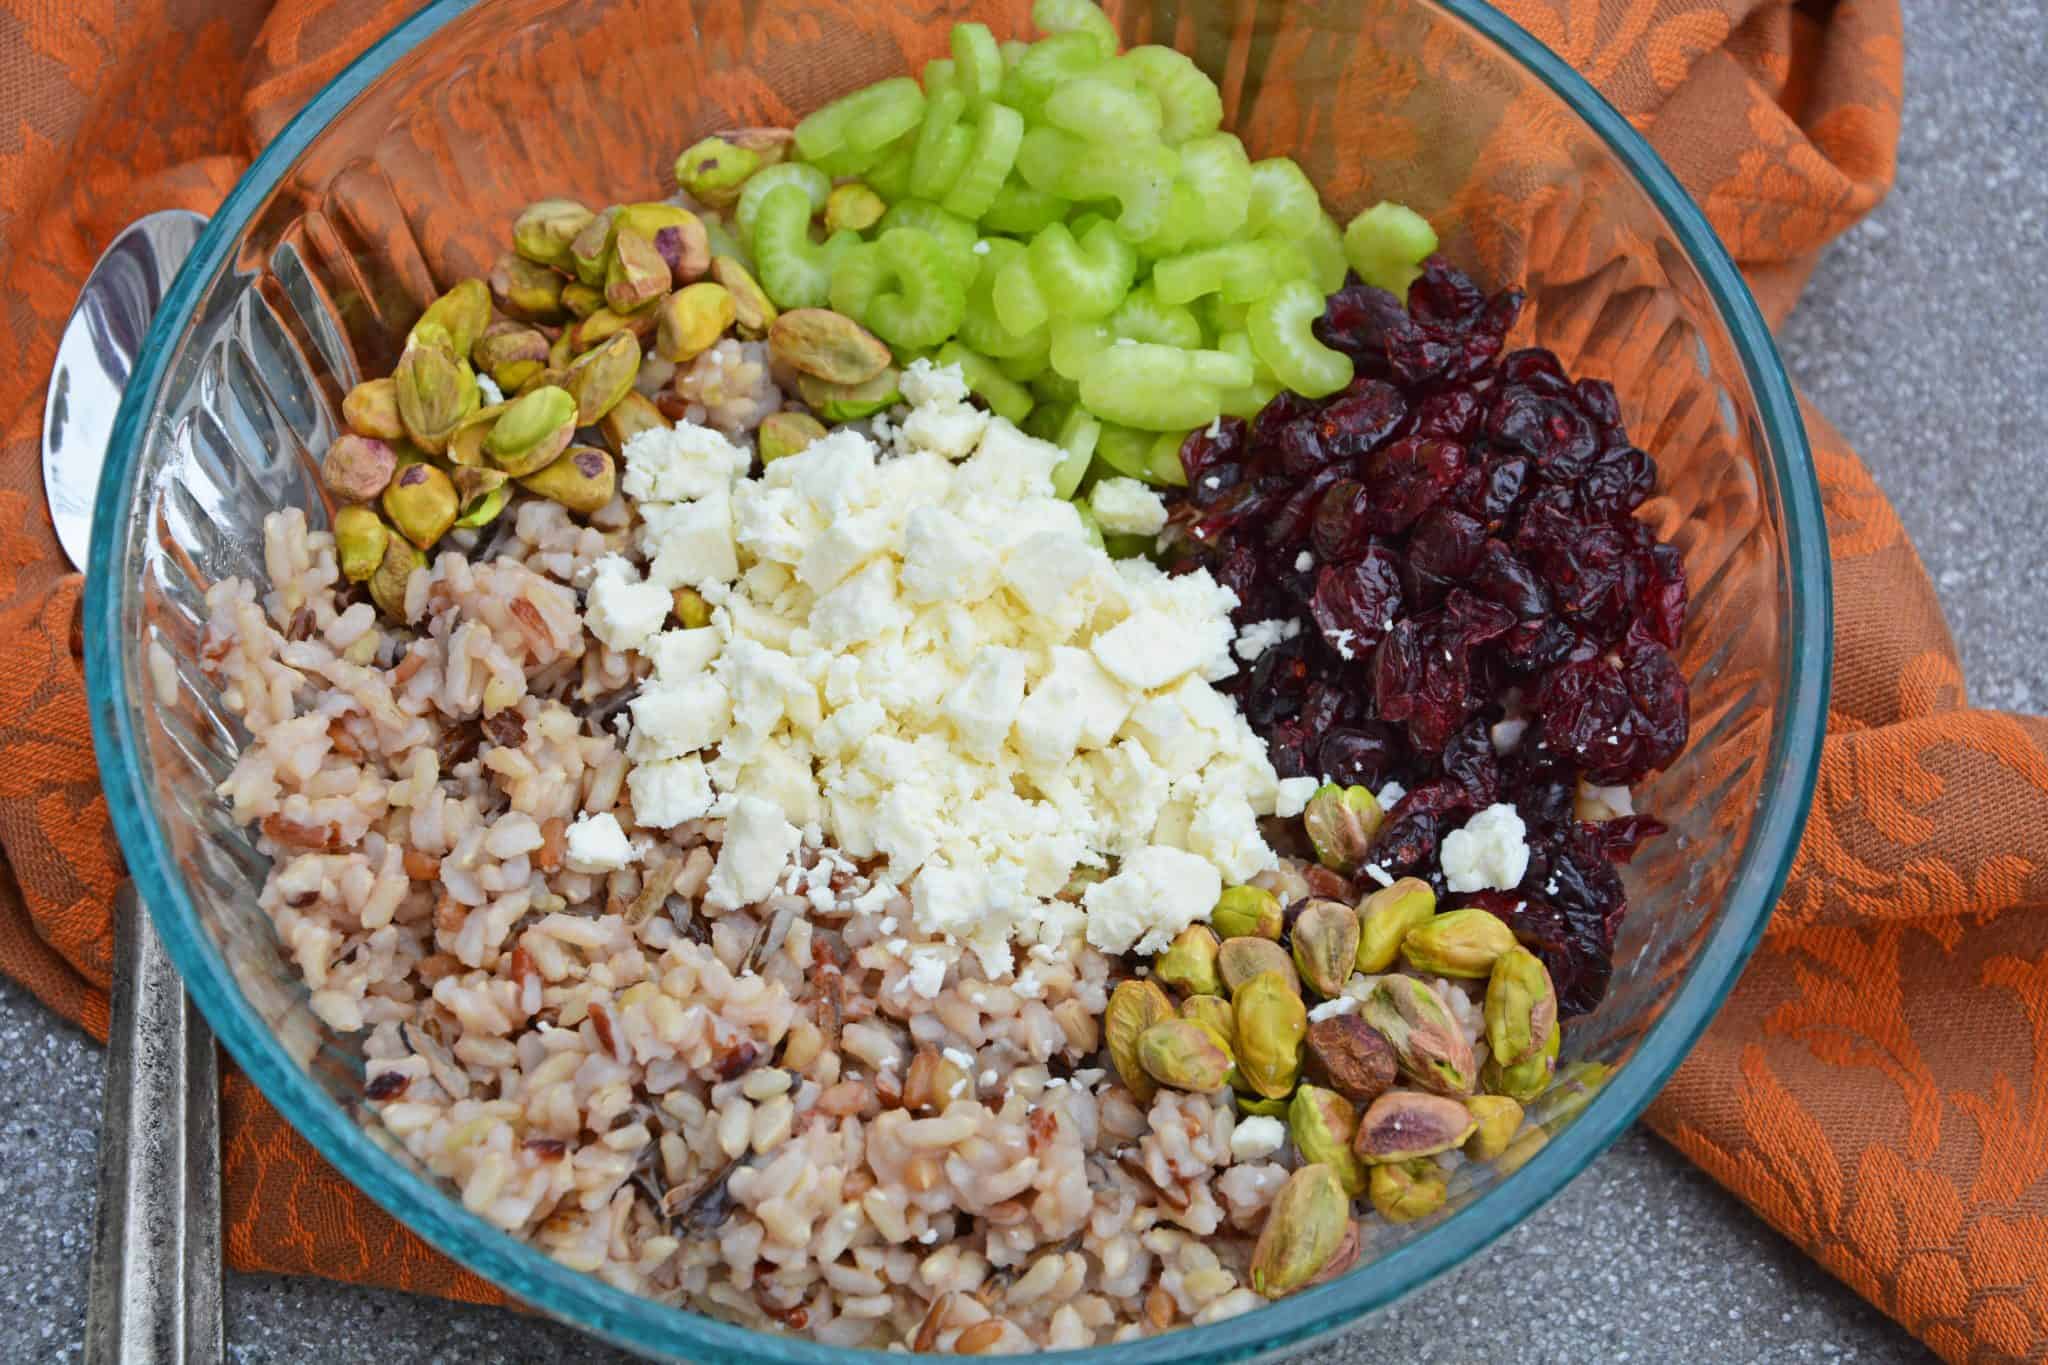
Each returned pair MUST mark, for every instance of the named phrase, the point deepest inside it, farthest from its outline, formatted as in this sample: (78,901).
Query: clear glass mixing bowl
(403,175)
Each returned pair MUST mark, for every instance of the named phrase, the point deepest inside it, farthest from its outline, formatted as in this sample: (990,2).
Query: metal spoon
(155,1289)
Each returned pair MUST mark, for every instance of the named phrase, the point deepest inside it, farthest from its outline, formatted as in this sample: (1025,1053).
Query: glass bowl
(404,174)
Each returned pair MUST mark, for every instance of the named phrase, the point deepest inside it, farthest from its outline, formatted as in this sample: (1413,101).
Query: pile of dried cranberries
(1484,619)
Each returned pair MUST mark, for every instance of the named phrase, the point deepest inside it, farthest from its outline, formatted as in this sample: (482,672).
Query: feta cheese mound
(1126,507)
(1489,854)
(595,844)
(916,652)
(1257,1136)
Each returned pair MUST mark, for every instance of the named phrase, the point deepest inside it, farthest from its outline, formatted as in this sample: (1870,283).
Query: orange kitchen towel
(1877,1086)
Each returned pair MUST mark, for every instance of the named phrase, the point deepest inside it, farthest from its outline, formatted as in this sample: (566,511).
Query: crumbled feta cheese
(1292,797)
(1304,561)
(1389,794)
(1257,1136)
(1490,853)
(621,610)
(1604,803)
(927,385)
(1260,636)
(595,844)
(1330,1009)
(668,792)
(1128,508)
(1340,640)
(927,973)
(1379,874)
(488,393)
(1507,734)
(981,247)
(758,844)
(1156,893)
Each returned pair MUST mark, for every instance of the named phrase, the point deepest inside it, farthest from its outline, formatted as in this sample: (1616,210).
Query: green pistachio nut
(387,585)
(1573,1090)
(466,446)
(1386,917)
(532,431)
(1429,1047)
(580,300)
(691,320)
(1247,912)
(525,290)
(694,612)
(485,509)
(562,350)
(1499,1119)
(474,486)
(787,433)
(850,402)
(543,232)
(1520,1150)
(1272,1021)
(852,207)
(753,312)
(1341,822)
(1185,1054)
(713,171)
(1212,1010)
(1405,1191)
(1189,962)
(1260,1105)
(1345,1054)
(1526,1079)
(636,276)
(678,236)
(1521,1006)
(1325,940)
(422,503)
(583,479)
(436,390)
(463,313)
(1238,960)
(356,468)
(360,539)
(510,353)
(1134,1007)
(1303,1230)
(601,379)
(371,409)
(601,326)
(1404,1124)
(772,145)
(827,345)
(590,251)
(1322,1124)
(632,415)
(1457,943)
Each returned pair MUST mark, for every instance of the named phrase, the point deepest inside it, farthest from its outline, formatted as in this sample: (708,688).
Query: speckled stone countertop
(1914,338)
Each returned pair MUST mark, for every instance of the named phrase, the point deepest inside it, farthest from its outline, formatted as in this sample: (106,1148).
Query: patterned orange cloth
(1877,1086)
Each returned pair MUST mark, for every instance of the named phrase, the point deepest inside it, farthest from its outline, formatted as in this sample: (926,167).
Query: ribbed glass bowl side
(315,264)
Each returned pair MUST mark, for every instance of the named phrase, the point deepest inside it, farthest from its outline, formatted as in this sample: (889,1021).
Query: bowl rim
(527,1274)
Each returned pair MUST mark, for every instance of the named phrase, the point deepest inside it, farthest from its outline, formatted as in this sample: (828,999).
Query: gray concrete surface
(1915,339)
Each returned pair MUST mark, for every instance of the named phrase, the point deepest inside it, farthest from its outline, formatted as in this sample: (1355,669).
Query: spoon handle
(155,1291)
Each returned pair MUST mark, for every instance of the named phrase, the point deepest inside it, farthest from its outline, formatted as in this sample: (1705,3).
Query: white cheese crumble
(1489,854)
(595,844)
(1257,1136)
(488,393)
(1304,561)
(1389,794)
(1126,507)
(916,652)
(1260,636)
(1507,734)
(1330,1009)
(1340,640)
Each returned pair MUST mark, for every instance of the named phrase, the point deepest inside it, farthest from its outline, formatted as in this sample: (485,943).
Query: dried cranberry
(1360,418)
(1358,319)
(1661,595)
(1339,531)
(1596,397)
(1453,414)
(1616,483)
(1444,550)
(1355,601)
(1407,477)
(1496,489)
(1278,682)
(1362,755)
(1532,368)
(1470,762)
(1289,525)
(1207,449)
(1550,430)
(1444,296)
